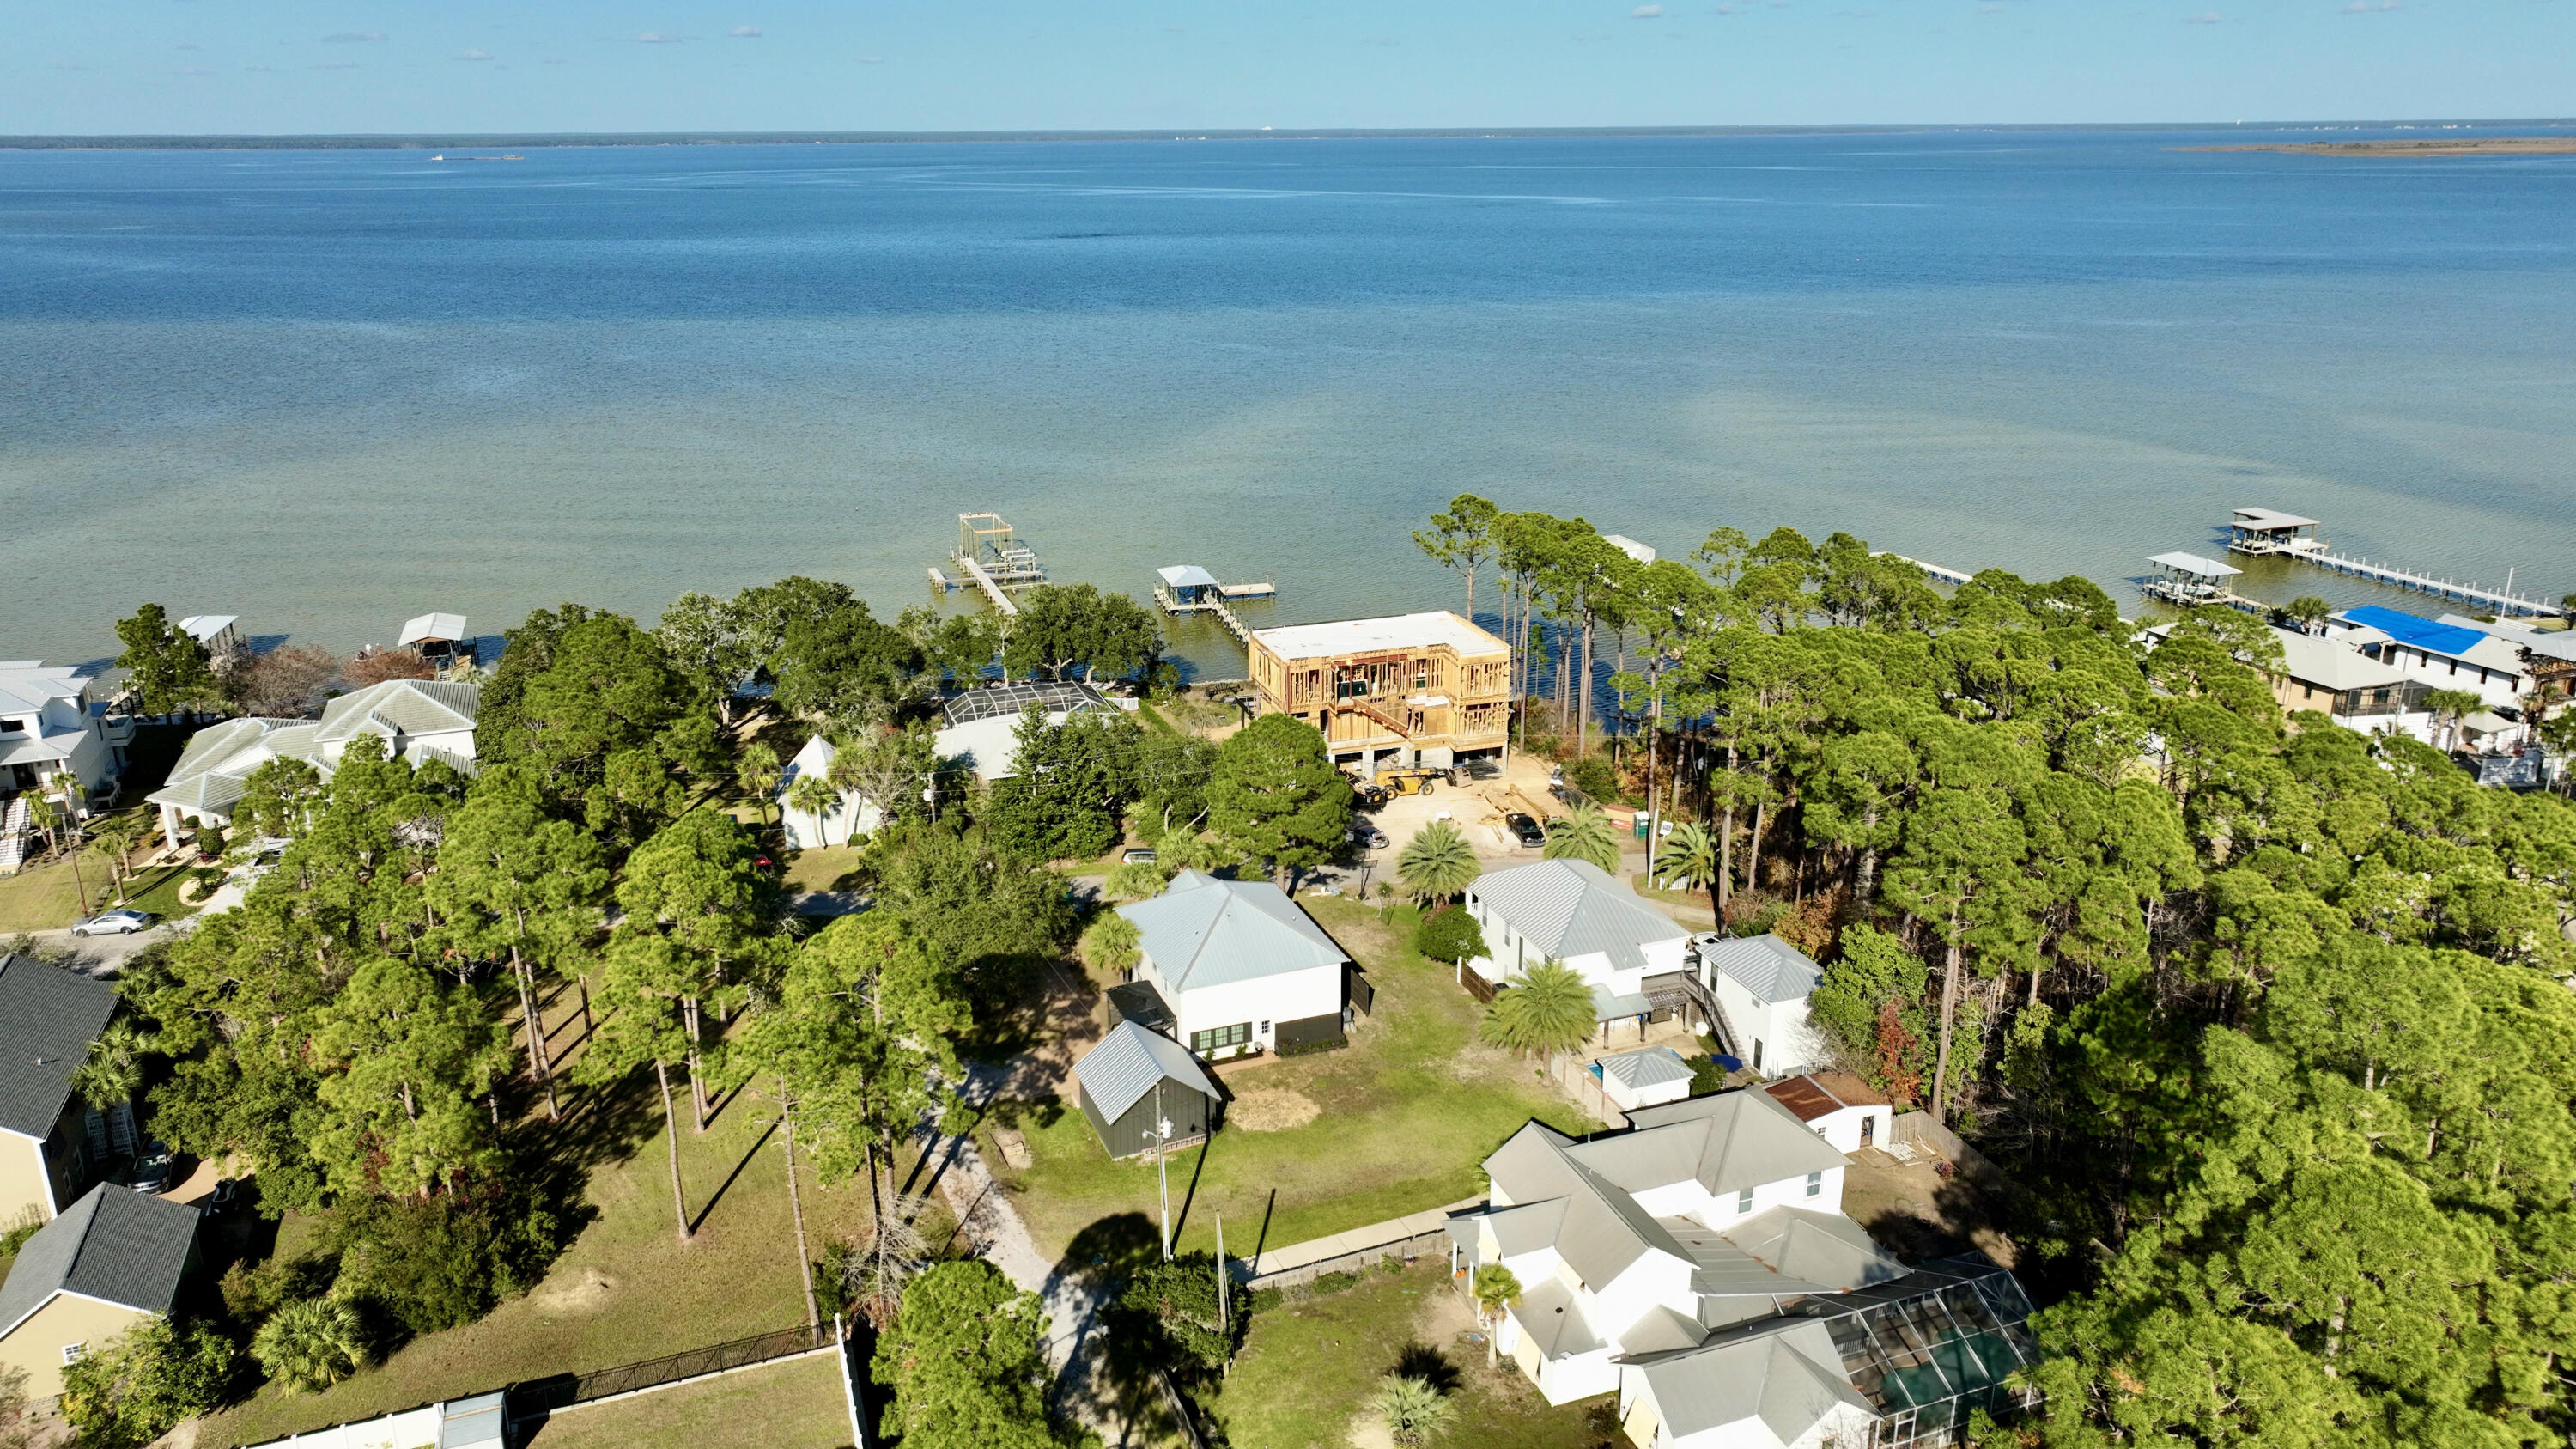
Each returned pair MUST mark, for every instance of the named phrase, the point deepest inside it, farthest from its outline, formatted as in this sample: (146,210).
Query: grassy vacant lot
(795,1405)
(1394,1124)
(44,898)
(1310,1365)
(626,1289)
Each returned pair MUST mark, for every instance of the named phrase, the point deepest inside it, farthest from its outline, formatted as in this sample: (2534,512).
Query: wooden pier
(1189,589)
(992,588)
(991,557)
(2268,533)
(1935,572)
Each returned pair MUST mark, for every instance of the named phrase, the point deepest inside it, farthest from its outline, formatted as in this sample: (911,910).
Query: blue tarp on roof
(2416,631)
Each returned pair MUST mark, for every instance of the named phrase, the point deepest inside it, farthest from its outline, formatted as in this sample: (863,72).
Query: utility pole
(1163,1166)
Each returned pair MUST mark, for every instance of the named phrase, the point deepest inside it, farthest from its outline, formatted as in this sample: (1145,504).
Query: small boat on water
(439,157)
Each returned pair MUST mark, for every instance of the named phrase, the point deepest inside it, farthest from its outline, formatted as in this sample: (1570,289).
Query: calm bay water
(329,390)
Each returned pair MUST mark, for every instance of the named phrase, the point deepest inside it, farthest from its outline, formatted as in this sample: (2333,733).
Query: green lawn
(821,869)
(43,898)
(795,1405)
(627,1289)
(1309,1367)
(1405,1114)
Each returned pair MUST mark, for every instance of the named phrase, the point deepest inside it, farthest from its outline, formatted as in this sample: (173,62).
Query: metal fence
(566,1390)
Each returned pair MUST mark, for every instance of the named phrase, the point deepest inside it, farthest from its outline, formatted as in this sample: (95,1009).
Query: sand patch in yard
(1271,1109)
(584,1294)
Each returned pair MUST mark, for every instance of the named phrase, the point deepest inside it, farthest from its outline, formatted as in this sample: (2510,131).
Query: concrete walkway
(1073,1300)
(1357,1240)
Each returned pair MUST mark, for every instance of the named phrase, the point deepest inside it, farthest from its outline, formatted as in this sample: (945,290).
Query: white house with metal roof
(1239,967)
(1706,1212)
(1575,912)
(1700,1265)
(1762,984)
(54,720)
(1643,1078)
(419,720)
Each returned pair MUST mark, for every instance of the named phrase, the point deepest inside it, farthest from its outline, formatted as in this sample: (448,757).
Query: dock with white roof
(2191,581)
(2269,533)
(1189,589)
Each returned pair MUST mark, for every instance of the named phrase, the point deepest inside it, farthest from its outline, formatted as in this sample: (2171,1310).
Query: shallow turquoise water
(329,390)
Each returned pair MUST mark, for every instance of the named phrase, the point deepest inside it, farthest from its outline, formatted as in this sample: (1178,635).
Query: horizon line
(403,140)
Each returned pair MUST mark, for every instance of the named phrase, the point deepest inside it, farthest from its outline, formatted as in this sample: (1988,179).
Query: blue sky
(127,66)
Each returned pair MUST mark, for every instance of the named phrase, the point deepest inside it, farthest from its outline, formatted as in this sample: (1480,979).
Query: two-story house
(1699,1265)
(51,1141)
(1235,967)
(1574,912)
(55,721)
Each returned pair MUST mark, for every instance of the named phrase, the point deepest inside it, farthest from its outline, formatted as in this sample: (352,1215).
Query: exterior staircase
(13,836)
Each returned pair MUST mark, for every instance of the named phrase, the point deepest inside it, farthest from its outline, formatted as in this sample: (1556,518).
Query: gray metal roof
(1727,1140)
(401,707)
(219,759)
(1770,968)
(124,1247)
(1127,1064)
(48,1018)
(1650,1067)
(1826,1249)
(1202,931)
(1552,1317)
(1789,1375)
(2194,565)
(432,629)
(1573,908)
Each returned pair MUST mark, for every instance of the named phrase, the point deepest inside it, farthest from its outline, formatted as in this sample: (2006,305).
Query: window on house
(1815,1184)
(1221,1037)
(1265,1028)
(1744,1201)
(72,1352)
(1757,1054)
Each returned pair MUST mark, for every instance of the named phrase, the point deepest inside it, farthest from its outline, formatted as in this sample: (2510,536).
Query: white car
(114,923)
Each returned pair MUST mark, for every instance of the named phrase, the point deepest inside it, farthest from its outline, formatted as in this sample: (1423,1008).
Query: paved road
(103,955)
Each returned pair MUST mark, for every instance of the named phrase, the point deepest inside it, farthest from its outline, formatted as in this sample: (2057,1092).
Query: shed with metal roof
(1141,1089)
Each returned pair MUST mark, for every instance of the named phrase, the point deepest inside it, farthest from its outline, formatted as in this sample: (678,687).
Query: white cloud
(352,37)
(745,32)
(655,37)
(1647,12)
(476,55)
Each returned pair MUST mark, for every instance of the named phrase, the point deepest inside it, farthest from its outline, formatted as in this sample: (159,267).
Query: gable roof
(401,707)
(1770,968)
(1573,908)
(1729,1141)
(1186,576)
(1202,931)
(1788,1375)
(25,684)
(219,759)
(2332,664)
(1127,1063)
(48,1018)
(123,1247)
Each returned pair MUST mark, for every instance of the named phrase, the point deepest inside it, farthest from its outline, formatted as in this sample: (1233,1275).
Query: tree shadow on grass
(708,1209)
(1419,1360)
(1105,1255)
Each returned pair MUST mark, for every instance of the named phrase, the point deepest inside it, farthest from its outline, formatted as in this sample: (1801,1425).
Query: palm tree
(757,773)
(1689,855)
(1437,863)
(2449,707)
(113,1071)
(2307,611)
(812,795)
(311,1345)
(1587,834)
(1548,1010)
(1112,943)
(1414,1409)
(116,839)
(1494,1288)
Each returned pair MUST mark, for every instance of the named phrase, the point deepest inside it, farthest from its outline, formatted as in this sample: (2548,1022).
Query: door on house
(1868,1127)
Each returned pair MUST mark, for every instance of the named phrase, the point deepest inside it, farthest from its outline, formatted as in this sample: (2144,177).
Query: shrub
(1449,934)
(1336,1282)
(28,1223)
(131,1391)
(1266,1299)
(1595,778)
(444,1262)
(309,1345)
(1414,1409)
